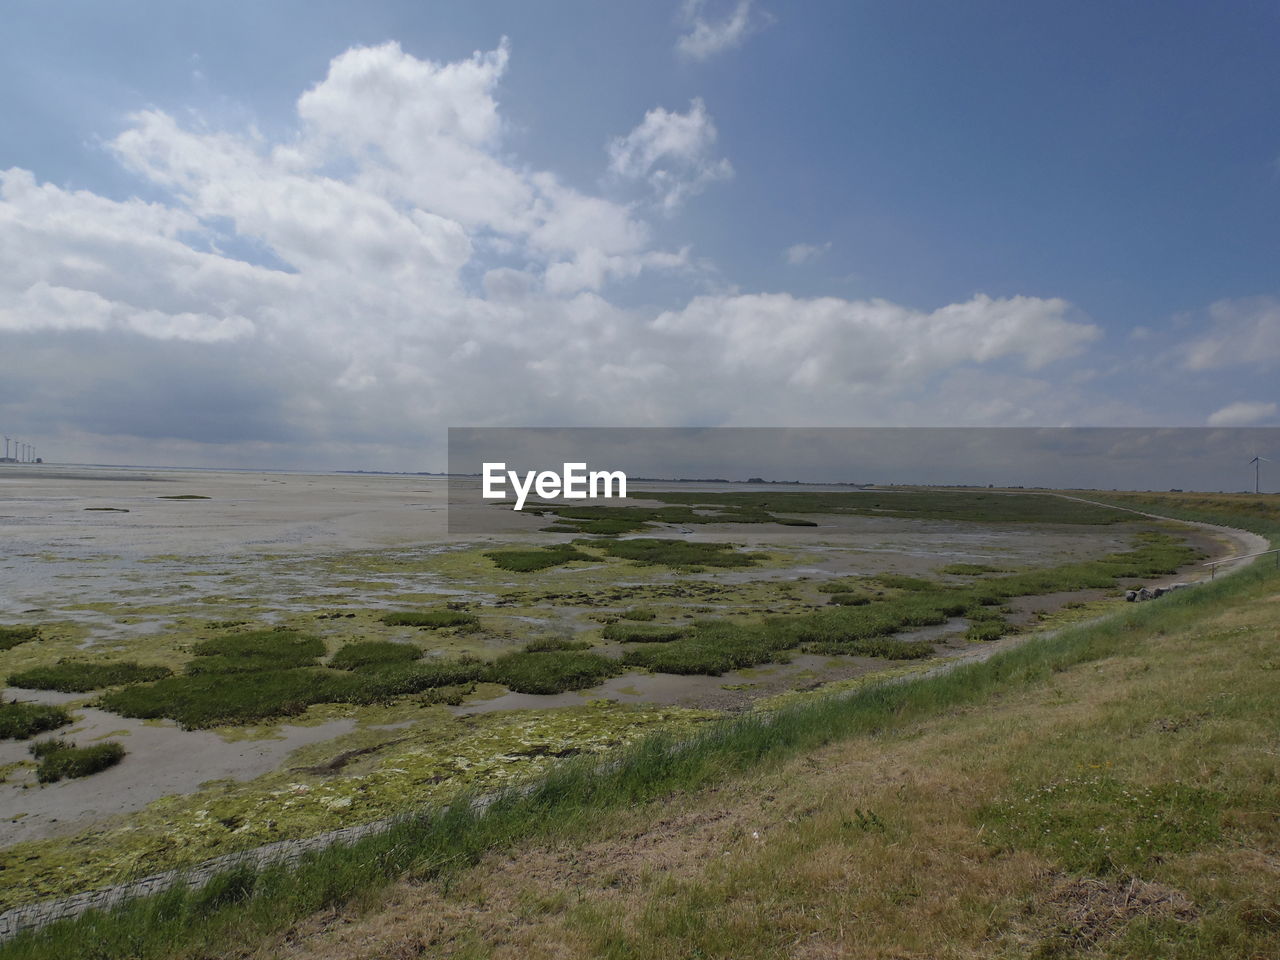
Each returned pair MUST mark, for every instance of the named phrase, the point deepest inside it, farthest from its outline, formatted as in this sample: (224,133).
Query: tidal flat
(187,562)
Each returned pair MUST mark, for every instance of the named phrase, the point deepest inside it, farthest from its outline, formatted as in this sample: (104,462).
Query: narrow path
(35,915)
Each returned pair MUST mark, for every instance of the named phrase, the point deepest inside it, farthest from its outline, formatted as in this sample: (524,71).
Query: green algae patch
(425,764)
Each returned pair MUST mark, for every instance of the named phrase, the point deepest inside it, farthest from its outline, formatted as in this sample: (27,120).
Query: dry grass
(884,848)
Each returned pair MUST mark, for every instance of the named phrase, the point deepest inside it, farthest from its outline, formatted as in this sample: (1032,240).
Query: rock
(1131,595)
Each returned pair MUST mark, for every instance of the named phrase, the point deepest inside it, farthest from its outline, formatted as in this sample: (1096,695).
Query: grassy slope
(905,822)
(1122,807)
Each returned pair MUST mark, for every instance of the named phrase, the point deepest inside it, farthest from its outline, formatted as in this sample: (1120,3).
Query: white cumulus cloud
(672,152)
(386,269)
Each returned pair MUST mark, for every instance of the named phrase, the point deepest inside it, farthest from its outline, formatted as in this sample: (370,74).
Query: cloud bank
(387,269)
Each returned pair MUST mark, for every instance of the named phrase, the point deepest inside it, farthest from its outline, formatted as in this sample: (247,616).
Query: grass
(638,614)
(985,630)
(208,699)
(916,836)
(433,619)
(212,699)
(373,653)
(255,651)
(530,561)
(849,599)
(80,676)
(555,644)
(61,760)
(20,720)
(644,632)
(553,672)
(677,553)
(12,636)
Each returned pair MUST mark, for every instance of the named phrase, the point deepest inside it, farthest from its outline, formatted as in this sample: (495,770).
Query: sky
(315,235)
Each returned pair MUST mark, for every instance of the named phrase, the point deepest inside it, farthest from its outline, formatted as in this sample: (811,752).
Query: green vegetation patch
(434,618)
(61,760)
(865,629)
(638,613)
(20,720)
(553,644)
(644,632)
(12,636)
(553,672)
(207,699)
(529,561)
(373,653)
(678,553)
(849,599)
(255,651)
(1101,825)
(985,630)
(210,699)
(80,676)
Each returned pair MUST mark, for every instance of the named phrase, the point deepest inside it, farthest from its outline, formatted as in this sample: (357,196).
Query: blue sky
(294,234)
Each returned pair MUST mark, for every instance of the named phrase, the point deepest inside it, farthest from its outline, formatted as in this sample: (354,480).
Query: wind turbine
(1257,468)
